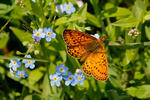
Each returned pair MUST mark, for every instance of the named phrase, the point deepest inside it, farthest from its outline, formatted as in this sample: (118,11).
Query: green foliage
(141,92)
(128,56)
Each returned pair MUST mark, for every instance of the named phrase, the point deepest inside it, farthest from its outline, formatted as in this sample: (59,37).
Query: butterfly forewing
(75,38)
(77,42)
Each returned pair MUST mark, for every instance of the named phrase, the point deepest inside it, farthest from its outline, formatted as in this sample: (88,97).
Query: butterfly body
(89,49)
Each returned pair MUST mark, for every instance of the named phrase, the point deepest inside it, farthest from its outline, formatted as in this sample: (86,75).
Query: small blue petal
(58,83)
(32,66)
(67,83)
(52,83)
(81,83)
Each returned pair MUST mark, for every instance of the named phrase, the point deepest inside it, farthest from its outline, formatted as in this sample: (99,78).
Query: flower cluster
(15,64)
(46,33)
(20,3)
(133,32)
(63,73)
(68,8)
(79,3)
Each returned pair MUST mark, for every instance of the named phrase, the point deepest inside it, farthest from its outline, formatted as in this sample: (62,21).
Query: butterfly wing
(76,51)
(96,64)
(76,42)
(91,50)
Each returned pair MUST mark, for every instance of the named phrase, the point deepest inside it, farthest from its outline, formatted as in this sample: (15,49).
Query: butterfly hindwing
(96,64)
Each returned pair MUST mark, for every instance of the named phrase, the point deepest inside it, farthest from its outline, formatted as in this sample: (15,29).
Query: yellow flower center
(55,78)
(48,33)
(79,78)
(38,34)
(68,7)
(61,69)
(14,62)
(29,61)
(58,9)
(70,78)
(21,75)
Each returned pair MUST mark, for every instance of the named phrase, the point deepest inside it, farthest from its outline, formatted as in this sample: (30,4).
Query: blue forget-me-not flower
(70,79)
(49,34)
(55,79)
(61,69)
(29,63)
(14,64)
(69,8)
(21,74)
(38,34)
(79,77)
(60,9)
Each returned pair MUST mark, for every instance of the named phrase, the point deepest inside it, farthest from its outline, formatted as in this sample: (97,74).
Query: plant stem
(130,45)
(5,24)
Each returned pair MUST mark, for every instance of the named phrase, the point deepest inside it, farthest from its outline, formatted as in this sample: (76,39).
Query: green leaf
(138,8)
(77,17)
(109,6)
(32,97)
(2,70)
(115,82)
(147,16)
(27,4)
(74,17)
(147,69)
(21,34)
(63,55)
(95,4)
(61,20)
(119,12)
(52,68)
(5,8)
(73,63)
(35,75)
(25,83)
(131,54)
(126,22)
(36,10)
(126,60)
(147,32)
(141,92)
(93,20)
(138,75)
(114,95)
(3,39)
(18,13)
(46,86)
(83,11)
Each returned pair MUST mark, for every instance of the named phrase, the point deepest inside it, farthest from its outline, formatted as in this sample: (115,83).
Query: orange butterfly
(89,49)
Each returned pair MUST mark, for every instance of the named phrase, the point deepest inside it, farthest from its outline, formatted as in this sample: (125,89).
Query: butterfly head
(103,38)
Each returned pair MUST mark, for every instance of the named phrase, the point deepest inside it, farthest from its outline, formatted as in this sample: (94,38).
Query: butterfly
(90,49)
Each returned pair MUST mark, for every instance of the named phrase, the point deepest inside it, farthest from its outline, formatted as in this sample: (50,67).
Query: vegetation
(29,61)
